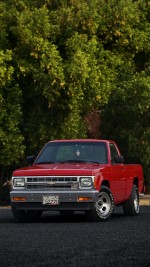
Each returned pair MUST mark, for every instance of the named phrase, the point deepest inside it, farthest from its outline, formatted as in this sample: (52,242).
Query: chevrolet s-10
(87,175)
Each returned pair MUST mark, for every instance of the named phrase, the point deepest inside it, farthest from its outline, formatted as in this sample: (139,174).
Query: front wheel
(131,206)
(26,215)
(103,208)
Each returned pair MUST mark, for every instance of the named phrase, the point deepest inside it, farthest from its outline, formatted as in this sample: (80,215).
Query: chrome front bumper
(67,200)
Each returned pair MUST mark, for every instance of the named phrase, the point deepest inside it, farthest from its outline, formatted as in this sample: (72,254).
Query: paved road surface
(60,241)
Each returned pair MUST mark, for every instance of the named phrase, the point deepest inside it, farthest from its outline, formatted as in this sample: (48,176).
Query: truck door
(118,176)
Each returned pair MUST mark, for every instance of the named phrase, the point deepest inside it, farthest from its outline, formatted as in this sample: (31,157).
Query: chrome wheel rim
(103,205)
(136,203)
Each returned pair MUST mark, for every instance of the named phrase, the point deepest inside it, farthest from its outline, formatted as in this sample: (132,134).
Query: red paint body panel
(59,169)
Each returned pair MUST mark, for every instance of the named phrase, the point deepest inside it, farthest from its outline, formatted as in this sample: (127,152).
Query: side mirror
(30,160)
(118,159)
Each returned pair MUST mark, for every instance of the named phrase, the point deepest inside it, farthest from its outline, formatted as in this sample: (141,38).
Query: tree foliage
(62,60)
(11,139)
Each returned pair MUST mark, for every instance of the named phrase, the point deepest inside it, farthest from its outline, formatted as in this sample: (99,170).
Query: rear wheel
(131,206)
(103,208)
(26,215)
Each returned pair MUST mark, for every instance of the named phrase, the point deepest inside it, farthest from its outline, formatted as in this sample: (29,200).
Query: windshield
(64,152)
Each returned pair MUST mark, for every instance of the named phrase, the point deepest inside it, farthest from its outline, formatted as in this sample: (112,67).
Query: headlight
(19,182)
(85,181)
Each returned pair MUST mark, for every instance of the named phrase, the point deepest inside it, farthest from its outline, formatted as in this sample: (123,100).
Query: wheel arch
(106,183)
(136,182)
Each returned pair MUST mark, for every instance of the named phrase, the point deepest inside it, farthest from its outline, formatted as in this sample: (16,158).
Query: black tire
(68,213)
(131,206)
(103,208)
(26,215)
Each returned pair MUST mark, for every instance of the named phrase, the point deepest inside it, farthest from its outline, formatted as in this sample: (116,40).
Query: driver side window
(113,152)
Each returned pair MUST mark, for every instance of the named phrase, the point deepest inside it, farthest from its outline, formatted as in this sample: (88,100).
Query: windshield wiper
(68,161)
(73,160)
(93,161)
(79,161)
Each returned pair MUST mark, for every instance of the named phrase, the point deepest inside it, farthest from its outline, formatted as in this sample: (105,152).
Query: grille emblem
(51,183)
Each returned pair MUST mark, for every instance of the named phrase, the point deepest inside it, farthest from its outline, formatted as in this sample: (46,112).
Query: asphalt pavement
(54,240)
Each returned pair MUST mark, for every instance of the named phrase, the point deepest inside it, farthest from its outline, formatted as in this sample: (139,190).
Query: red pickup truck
(76,175)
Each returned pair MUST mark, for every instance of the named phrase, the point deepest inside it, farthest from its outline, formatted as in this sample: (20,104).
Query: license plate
(50,200)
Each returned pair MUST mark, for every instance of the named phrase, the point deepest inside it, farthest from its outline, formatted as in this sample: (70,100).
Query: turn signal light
(84,198)
(19,199)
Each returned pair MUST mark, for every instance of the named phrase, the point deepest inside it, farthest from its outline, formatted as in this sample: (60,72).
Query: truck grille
(60,182)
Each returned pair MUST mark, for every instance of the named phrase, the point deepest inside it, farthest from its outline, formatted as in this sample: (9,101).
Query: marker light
(84,199)
(18,199)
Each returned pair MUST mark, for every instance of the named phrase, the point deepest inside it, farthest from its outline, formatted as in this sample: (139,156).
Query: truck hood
(75,169)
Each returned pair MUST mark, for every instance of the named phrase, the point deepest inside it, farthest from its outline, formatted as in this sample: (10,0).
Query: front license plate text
(50,200)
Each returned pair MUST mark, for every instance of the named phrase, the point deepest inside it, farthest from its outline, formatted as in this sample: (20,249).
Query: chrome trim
(53,182)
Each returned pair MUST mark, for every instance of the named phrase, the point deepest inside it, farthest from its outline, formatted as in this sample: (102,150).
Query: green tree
(64,72)
(63,60)
(11,147)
